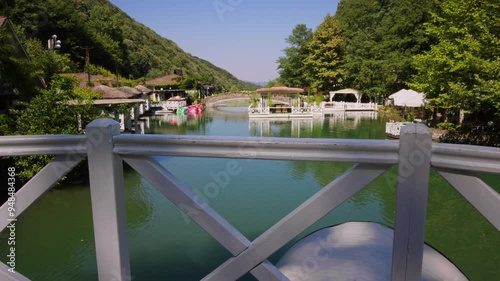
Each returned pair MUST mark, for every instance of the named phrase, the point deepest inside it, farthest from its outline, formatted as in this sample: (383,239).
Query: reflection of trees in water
(453,226)
(354,125)
(345,125)
(178,124)
(381,191)
(460,232)
(138,200)
(233,113)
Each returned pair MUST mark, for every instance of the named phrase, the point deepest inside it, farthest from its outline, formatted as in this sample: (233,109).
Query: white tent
(408,98)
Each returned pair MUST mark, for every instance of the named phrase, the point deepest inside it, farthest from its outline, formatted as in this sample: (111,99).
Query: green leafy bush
(61,109)
(254,100)
(446,126)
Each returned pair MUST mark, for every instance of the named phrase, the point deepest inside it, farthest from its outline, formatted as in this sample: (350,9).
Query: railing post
(108,201)
(413,182)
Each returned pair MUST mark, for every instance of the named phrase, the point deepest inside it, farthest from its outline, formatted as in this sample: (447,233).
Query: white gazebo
(332,105)
(265,109)
(346,92)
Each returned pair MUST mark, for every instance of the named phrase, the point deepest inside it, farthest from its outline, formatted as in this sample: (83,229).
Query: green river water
(54,237)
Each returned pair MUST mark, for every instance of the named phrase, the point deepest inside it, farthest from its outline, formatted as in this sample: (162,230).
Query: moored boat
(174,103)
(182,110)
(195,108)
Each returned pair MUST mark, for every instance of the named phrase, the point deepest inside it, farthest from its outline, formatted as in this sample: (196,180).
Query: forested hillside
(119,43)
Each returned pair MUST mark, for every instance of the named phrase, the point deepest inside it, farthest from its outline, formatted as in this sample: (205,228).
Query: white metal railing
(332,105)
(393,129)
(258,110)
(348,106)
(301,110)
(106,149)
(279,109)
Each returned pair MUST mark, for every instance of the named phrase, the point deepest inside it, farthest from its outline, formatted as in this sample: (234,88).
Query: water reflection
(169,119)
(177,124)
(309,127)
(163,242)
(228,112)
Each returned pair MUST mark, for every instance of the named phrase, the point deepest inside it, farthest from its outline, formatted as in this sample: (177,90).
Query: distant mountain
(260,84)
(119,43)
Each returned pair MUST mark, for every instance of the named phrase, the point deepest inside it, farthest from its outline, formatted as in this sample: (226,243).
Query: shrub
(446,126)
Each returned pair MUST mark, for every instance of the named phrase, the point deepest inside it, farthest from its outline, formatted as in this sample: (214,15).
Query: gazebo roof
(345,91)
(280,90)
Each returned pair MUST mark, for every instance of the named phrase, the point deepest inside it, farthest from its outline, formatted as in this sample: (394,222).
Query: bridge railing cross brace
(106,148)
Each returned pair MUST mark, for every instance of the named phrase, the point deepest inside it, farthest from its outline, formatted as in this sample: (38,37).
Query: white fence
(106,149)
(348,106)
(393,129)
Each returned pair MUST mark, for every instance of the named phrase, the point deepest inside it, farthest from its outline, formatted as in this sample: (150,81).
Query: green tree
(291,67)
(379,40)
(324,56)
(47,63)
(118,42)
(15,69)
(51,112)
(272,83)
(361,63)
(463,68)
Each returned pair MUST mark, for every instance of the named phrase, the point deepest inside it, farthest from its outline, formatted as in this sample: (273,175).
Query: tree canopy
(323,59)
(462,69)
(379,40)
(292,67)
(448,49)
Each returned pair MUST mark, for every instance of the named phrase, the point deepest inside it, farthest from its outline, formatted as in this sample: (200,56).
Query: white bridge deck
(284,111)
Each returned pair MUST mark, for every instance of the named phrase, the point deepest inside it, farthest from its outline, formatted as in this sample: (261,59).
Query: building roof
(130,90)
(345,91)
(107,102)
(111,93)
(19,49)
(163,80)
(3,20)
(143,89)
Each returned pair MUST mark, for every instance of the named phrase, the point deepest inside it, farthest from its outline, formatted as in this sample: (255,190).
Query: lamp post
(53,43)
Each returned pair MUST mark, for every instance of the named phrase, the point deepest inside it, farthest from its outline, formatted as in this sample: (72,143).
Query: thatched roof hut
(130,90)
(110,93)
(280,90)
(164,79)
(143,89)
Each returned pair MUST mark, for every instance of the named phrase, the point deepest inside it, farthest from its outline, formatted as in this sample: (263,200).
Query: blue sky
(245,37)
